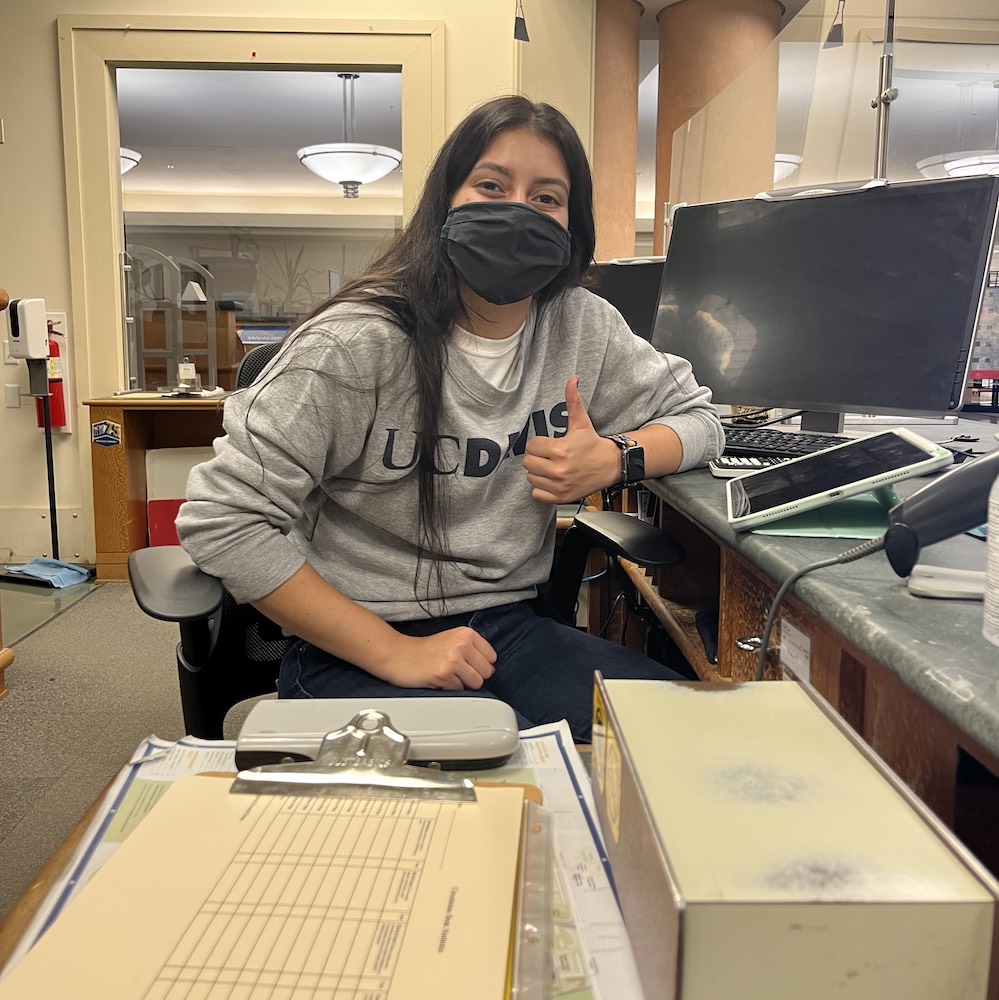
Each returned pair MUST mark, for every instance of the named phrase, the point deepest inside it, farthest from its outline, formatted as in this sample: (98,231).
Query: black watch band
(632,458)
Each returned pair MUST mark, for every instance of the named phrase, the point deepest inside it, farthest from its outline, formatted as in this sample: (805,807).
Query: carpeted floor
(84,690)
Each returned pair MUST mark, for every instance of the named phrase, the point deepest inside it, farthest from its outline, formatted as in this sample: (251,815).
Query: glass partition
(824,129)
(207,294)
(945,123)
(229,239)
(944,119)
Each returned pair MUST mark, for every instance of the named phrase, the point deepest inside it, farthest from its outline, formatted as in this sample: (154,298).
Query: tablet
(869,463)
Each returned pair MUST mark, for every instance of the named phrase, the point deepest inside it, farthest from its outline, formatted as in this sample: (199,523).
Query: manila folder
(292,896)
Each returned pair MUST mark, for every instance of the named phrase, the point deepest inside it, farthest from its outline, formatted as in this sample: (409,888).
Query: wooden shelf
(677,619)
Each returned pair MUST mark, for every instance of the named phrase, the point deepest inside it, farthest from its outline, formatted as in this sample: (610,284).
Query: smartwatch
(632,458)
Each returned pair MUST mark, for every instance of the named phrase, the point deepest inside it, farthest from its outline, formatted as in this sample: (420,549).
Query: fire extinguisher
(57,399)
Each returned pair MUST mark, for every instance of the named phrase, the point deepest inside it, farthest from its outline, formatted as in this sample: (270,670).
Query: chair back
(254,362)
(244,661)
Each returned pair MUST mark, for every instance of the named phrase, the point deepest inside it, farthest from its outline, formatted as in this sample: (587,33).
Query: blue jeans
(544,670)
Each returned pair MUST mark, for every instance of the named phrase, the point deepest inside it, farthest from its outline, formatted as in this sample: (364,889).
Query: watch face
(636,464)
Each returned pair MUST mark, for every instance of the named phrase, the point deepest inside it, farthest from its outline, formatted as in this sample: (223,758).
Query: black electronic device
(864,301)
(632,286)
(957,502)
(774,442)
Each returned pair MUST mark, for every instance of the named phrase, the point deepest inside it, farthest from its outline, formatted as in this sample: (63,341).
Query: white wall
(481,61)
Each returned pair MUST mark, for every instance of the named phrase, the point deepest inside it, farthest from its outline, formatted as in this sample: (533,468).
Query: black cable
(766,423)
(610,614)
(857,552)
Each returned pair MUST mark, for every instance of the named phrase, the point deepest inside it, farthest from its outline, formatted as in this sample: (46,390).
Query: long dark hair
(416,282)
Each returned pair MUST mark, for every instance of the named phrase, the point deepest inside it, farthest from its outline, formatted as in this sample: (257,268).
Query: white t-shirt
(495,360)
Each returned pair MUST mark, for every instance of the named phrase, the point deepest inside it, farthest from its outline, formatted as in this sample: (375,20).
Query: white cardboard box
(761,852)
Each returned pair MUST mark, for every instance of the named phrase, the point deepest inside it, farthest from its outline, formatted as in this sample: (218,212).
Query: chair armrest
(630,537)
(168,586)
(617,534)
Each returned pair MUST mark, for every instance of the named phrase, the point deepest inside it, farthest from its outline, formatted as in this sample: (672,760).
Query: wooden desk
(913,676)
(13,926)
(123,429)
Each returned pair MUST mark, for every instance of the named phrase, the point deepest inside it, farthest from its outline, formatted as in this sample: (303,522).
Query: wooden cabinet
(122,430)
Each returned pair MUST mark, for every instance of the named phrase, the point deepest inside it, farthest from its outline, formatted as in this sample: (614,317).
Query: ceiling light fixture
(785,164)
(965,162)
(129,158)
(349,164)
(835,37)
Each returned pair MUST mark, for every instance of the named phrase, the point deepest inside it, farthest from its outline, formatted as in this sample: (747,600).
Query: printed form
(301,897)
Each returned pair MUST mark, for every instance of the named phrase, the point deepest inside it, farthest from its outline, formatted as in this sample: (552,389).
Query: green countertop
(935,647)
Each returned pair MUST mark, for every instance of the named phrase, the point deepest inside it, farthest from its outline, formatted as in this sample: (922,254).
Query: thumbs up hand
(561,470)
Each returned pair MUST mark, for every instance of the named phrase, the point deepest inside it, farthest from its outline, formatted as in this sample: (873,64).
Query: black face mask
(504,250)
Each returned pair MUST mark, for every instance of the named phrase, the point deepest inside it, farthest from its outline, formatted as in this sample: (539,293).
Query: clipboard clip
(367,757)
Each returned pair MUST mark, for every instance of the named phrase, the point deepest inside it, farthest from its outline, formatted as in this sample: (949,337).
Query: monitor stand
(822,421)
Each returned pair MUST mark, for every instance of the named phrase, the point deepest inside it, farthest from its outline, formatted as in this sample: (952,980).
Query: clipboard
(347,876)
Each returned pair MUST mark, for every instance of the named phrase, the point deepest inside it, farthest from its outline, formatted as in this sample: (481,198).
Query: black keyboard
(766,441)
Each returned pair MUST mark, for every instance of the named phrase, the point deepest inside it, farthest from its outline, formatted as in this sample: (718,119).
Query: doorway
(91,53)
(205,282)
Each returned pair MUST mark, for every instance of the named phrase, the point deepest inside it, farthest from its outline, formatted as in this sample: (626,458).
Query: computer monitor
(860,302)
(632,287)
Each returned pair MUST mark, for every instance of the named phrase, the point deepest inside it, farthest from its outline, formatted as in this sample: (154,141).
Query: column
(705,45)
(615,126)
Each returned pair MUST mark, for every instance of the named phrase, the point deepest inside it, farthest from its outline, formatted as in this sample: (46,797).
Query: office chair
(230,652)
(254,362)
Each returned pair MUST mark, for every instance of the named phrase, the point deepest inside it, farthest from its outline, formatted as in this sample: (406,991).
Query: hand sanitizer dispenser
(28,334)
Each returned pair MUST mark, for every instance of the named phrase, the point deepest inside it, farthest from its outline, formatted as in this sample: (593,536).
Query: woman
(387,490)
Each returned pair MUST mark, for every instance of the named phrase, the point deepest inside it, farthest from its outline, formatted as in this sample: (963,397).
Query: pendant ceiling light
(129,158)
(350,164)
(965,162)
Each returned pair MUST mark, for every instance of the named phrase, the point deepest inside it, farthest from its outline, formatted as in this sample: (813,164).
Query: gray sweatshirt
(318,460)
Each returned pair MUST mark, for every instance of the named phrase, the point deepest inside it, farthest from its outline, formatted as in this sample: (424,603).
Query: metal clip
(367,757)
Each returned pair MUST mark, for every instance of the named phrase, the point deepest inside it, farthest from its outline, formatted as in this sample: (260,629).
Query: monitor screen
(632,287)
(862,302)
